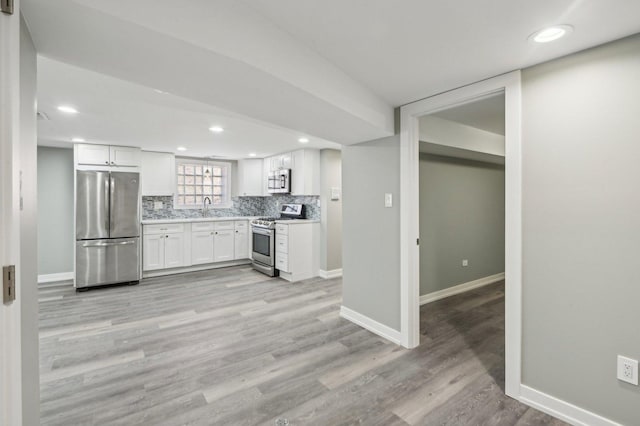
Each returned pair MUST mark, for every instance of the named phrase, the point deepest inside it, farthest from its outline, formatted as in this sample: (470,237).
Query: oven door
(263,245)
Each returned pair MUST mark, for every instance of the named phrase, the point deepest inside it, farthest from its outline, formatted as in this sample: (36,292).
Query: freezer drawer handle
(123,243)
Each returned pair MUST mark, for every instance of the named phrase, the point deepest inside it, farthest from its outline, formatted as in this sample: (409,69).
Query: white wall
(28,232)
(371,232)
(331,210)
(581,227)
(55,212)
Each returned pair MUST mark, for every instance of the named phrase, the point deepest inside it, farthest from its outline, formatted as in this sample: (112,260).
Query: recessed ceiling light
(252,154)
(67,109)
(551,33)
(303,140)
(79,140)
(216,129)
(181,148)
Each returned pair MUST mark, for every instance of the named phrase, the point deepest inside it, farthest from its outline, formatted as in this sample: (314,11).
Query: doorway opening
(462,234)
(507,85)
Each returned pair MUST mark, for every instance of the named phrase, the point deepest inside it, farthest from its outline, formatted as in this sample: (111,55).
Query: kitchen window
(197,180)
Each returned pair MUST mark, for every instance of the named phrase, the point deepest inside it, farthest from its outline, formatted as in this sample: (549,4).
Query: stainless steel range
(263,231)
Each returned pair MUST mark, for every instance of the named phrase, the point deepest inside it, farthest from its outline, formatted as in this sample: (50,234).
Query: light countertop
(195,219)
(221,219)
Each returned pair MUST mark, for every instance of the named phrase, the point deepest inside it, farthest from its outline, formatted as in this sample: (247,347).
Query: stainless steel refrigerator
(107,228)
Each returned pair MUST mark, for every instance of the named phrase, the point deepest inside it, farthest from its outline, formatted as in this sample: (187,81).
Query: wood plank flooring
(234,347)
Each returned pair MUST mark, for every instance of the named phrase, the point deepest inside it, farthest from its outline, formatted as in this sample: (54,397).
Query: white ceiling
(486,114)
(114,111)
(331,69)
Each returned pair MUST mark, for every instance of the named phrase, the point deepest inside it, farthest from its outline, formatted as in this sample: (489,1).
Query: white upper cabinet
(158,173)
(250,177)
(305,172)
(94,155)
(105,155)
(124,156)
(280,161)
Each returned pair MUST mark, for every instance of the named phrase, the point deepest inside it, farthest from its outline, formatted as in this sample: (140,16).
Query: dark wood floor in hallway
(234,347)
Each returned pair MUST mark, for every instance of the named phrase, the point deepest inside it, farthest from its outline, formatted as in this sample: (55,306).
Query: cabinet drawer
(242,224)
(202,226)
(282,263)
(282,229)
(282,243)
(166,228)
(223,226)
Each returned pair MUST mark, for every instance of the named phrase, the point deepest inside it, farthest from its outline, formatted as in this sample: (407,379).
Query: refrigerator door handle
(123,243)
(107,203)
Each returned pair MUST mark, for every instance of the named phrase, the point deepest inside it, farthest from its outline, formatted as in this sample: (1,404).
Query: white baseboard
(561,409)
(49,278)
(371,325)
(460,288)
(194,268)
(334,273)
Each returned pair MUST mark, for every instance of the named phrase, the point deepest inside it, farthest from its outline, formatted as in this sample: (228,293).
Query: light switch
(335,194)
(388,200)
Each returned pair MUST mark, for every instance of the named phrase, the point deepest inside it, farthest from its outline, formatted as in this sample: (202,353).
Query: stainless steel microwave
(280,181)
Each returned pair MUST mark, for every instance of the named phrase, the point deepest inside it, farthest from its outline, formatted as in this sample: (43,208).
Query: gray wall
(28,232)
(581,227)
(371,232)
(461,217)
(331,217)
(55,212)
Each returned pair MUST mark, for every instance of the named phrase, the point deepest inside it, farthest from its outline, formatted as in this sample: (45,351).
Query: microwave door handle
(283,181)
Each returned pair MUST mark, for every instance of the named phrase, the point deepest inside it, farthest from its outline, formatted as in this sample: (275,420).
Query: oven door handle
(262,231)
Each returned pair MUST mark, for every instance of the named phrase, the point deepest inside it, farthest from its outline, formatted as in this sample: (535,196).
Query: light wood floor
(233,347)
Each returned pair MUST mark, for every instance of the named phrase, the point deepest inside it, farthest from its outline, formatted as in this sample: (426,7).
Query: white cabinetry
(93,155)
(105,155)
(163,247)
(158,173)
(297,250)
(250,177)
(201,243)
(305,172)
(241,242)
(223,241)
(189,246)
(280,161)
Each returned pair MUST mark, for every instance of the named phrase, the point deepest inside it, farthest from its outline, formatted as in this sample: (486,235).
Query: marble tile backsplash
(242,206)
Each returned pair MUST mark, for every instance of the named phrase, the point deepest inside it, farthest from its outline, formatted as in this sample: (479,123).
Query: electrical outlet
(388,200)
(158,205)
(465,262)
(628,370)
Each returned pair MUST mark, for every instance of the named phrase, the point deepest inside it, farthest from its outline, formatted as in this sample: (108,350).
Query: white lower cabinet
(201,247)
(297,250)
(242,244)
(153,252)
(162,248)
(181,245)
(224,245)
(174,250)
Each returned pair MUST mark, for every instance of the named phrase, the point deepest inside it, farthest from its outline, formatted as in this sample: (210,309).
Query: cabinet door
(201,247)
(158,173)
(174,250)
(124,156)
(95,155)
(285,161)
(242,244)
(250,177)
(223,245)
(152,252)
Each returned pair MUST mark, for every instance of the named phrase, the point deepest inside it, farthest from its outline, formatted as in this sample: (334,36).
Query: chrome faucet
(205,209)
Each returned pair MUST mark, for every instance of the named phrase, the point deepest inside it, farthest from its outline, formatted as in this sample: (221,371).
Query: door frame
(510,84)
(10,314)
